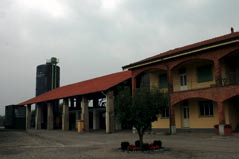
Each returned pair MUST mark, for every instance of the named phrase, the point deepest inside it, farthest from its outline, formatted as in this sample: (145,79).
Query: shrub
(124,145)
(137,143)
(157,143)
(145,147)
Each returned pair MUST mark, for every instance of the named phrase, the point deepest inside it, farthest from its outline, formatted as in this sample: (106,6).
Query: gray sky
(97,37)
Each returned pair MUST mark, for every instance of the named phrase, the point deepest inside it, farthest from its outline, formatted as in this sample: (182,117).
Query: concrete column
(85,113)
(65,115)
(38,116)
(49,116)
(28,116)
(118,125)
(221,118)
(172,124)
(172,121)
(109,114)
(96,120)
(77,118)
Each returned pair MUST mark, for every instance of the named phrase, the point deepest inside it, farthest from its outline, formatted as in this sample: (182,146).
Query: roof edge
(192,48)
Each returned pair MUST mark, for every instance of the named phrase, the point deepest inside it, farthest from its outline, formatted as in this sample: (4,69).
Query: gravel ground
(43,144)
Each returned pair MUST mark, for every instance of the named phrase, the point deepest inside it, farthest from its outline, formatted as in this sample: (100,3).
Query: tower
(47,76)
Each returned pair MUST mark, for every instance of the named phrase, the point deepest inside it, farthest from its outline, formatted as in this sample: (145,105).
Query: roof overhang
(179,52)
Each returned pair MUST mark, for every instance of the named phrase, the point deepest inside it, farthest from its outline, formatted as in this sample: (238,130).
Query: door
(185,115)
(183,79)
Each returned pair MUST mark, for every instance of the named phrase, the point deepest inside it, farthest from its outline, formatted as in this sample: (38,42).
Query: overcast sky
(97,37)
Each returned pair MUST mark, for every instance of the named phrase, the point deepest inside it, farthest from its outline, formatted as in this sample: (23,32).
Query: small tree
(141,109)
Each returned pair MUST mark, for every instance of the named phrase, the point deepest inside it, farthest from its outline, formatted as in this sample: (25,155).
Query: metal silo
(47,76)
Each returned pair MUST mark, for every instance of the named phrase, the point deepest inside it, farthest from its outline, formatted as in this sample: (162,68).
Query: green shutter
(204,73)
(163,81)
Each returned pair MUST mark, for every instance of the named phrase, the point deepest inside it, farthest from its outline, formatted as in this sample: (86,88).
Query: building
(90,102)
(202,80)
(15,117)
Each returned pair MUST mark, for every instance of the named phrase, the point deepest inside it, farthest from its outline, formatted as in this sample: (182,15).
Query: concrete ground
(43,144)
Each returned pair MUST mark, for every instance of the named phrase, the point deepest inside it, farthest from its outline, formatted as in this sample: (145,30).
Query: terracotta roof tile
(85,87)
(188,47)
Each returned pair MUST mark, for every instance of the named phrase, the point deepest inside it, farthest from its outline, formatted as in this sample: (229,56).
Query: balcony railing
(230,79)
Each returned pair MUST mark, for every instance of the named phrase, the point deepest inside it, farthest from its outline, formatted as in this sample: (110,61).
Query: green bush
(157,143)
(137,143)
(124,145)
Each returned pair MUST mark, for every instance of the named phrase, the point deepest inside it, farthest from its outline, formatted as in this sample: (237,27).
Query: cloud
(97,37)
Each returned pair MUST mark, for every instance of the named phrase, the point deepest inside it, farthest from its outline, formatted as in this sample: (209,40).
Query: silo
(47,76)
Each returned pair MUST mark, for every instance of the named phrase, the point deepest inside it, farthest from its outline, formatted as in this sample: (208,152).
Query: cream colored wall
(154,79)
(178,116)
(161,123)
(191,72)
(197,121)
(164,122)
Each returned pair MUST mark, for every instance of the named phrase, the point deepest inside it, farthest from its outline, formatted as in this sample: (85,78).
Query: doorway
(185,117)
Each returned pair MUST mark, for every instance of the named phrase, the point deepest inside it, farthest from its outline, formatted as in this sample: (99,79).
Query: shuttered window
(163,81)
(204,74)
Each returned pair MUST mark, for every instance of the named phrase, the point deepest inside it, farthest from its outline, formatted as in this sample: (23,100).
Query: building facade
(202,80)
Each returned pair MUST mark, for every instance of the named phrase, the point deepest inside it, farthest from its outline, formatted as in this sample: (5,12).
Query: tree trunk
(141,138)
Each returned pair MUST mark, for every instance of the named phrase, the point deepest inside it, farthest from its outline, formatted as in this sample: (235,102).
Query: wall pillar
(109,115)
(49,116)
(172,124)
(28,116)
(221,118)
(38,117)
(96,120)
(172,120)
(133,84)
(218,74)
(85,113)
(65,115)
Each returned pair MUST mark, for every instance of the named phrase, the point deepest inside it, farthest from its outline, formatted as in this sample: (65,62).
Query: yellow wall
(191,73)
(195,120)
(161,123)
(154,79)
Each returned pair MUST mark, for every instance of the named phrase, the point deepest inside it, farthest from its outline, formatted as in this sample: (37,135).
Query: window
(183,77)
(163,81)
(165,112)
(204,73)
(206,108)
(142,81)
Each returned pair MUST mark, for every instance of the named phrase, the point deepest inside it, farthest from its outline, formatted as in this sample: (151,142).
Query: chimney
(232,30)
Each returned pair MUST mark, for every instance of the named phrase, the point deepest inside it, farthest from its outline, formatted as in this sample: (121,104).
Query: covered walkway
(91,101)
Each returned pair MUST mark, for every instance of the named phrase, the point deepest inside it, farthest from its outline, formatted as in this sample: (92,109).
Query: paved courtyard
(43,144)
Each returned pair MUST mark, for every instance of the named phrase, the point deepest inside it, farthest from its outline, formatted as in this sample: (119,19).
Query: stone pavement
(43,144)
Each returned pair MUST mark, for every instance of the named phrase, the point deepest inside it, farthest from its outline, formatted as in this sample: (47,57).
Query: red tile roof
(224,38)
(81,88)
